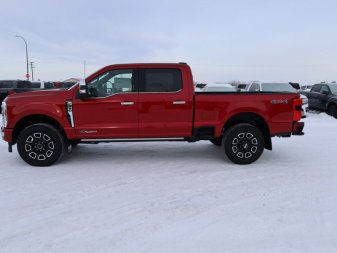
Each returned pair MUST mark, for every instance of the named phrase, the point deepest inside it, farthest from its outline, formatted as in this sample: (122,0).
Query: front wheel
(243,143)
(40,144)
(332,110)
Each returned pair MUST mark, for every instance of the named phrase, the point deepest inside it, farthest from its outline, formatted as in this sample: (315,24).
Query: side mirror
(324,92)
(82,90)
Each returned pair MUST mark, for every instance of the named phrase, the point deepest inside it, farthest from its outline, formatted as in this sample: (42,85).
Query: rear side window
(162,80)
(325,88)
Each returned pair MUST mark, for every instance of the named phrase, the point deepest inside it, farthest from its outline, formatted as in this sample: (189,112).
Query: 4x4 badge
(280,101)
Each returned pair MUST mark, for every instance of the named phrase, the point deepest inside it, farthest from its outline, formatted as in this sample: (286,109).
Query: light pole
(27,75)
(32,67)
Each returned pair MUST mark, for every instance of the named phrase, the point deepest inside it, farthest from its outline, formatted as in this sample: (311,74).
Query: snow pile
(175,197)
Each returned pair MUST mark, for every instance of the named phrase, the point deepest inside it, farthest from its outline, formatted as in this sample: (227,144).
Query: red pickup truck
(146,102)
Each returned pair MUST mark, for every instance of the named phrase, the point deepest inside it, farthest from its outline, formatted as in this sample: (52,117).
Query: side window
(254,87)
(111,82)
(325,88)
(316,88)
(162,80)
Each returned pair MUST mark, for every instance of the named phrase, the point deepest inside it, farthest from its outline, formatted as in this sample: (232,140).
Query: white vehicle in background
(218,87)
(306,87)
(278,87)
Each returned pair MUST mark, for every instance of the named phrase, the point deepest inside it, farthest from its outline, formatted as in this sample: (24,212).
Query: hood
(36,93)
(44,96)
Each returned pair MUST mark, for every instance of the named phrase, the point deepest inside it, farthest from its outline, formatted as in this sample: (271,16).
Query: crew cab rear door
(165,105)
(111,109)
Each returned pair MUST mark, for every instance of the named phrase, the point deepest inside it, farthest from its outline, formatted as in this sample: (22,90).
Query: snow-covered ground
(175,197)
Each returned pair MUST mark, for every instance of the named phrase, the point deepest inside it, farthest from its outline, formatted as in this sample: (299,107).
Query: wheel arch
(34,119)
(254,119)
(330,103)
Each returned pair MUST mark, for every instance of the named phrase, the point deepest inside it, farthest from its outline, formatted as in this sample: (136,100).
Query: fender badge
(88,131)
(280,101)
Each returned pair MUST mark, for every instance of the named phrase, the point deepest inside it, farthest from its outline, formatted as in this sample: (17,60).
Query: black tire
(332,110)
(40,144)
(216,141)
(74,143)
(243,143)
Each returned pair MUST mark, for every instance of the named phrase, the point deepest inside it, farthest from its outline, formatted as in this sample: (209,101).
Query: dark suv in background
(323,97)
(10,86)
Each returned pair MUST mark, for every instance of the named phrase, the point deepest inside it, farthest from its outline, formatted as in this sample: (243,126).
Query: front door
(111,109)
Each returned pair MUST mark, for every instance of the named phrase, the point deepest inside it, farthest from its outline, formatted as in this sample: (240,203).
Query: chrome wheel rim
(39,146)
(244,145)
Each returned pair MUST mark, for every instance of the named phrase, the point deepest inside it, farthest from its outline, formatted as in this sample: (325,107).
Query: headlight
(4,114)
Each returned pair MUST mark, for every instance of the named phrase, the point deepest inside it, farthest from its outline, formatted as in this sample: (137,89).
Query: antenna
(84,70)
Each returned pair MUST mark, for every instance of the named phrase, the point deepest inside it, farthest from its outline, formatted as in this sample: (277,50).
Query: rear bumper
(304,110)
(298,128)
(7,134)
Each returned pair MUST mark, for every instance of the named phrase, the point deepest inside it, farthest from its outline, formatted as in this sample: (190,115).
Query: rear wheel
(40,144)
(332,110)
(243,143)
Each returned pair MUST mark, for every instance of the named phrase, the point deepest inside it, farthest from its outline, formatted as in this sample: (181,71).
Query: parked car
(8,86)
(146,102)
(216,87)
(306,87)
(323,97)
(199,86)
(241,86)
(279,87)
(18,86)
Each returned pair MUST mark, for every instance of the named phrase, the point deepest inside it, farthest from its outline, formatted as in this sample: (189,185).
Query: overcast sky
(288,40)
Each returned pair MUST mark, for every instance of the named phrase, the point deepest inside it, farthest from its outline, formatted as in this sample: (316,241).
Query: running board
(94,141)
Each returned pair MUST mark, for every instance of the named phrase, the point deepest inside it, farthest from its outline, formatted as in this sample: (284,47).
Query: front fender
(18,112)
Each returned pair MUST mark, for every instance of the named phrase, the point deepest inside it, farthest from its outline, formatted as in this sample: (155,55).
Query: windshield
(277,87)
(333,88)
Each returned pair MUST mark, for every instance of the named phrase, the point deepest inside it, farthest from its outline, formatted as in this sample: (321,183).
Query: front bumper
(7,134)
(298,128)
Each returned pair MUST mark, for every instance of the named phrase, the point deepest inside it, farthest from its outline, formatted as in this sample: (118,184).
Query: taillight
(297,108)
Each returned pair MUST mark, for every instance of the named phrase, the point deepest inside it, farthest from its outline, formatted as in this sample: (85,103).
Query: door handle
(127,103)
(179,102)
